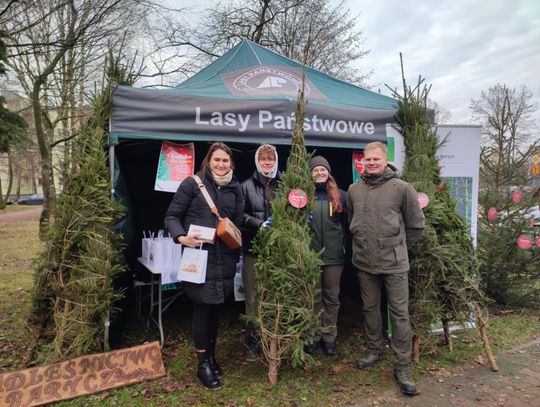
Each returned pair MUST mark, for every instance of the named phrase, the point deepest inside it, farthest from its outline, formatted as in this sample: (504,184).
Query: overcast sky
(461,47)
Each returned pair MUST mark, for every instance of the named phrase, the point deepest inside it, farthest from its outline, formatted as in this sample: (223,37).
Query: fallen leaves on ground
(480,360)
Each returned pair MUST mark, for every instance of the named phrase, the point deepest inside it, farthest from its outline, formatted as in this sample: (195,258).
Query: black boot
(205,373)
(212,358)
(252,346)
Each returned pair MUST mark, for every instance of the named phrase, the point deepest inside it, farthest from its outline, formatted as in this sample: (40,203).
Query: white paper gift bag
(193,265)
(146,241)
(169,273)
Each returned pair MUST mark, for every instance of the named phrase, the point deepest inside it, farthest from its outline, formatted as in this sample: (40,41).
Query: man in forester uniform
(385,219)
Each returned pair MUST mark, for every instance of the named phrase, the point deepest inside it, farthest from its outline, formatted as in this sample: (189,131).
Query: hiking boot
(312,348)
(251,352)
(206,375)
(406,382)
(329,348)
(370,360)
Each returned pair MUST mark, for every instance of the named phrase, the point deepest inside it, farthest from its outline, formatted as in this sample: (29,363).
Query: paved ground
(516,384)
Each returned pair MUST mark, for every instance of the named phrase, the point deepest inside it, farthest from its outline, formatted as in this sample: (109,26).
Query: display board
(459,157)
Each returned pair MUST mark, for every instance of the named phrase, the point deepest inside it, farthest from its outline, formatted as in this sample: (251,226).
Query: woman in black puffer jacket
(190,207)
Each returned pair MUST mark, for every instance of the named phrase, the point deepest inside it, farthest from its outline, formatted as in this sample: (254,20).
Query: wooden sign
(80,376)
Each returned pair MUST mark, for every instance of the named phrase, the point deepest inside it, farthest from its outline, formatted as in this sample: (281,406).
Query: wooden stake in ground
(481,320)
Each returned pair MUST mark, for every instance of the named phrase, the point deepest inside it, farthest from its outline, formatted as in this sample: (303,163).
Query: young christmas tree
(508,197)
(287,270)
(73,292)
(444,272)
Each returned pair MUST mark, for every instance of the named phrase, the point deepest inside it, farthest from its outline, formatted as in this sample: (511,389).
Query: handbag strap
(207,196)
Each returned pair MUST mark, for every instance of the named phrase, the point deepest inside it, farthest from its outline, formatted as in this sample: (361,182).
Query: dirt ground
(19,216)
(516,384)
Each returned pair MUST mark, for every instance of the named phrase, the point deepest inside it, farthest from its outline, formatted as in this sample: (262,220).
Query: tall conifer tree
(287,270)
(73,291)
(444,269)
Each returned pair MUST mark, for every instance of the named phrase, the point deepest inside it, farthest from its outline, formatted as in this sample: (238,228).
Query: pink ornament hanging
(298,198)
(423,200)
(517,196)
(492,214)
(524,242)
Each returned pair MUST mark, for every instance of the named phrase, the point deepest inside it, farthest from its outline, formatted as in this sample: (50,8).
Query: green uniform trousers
(397,289)
(327,301)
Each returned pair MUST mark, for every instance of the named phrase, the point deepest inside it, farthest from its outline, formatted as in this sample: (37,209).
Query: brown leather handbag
(226,230)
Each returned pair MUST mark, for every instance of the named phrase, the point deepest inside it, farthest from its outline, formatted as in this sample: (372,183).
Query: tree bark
(3,202)
(273,362)
(447,335)
(485,339)
(18,190)
(416,348)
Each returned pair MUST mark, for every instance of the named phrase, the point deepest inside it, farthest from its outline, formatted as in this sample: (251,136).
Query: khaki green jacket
(385,218)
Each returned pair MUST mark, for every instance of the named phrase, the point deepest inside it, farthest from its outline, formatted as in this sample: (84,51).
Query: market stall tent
(244,98)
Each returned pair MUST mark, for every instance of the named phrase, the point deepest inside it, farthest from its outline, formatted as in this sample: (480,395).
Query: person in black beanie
(328,227)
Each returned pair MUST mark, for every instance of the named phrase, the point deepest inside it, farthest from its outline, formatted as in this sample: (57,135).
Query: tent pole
(106,343)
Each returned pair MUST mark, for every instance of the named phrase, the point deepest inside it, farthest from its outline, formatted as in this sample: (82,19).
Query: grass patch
(330,381)
(19,247)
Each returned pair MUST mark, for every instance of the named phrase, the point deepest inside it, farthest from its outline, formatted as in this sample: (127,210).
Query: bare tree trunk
(47,180)
(273,362)
(4,201)
(10,175)
(18,178)
(257,35)
(416,348)
(447,335)
(33,174)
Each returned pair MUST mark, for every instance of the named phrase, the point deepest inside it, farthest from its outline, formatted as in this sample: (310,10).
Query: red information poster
(358,165)
(176,163)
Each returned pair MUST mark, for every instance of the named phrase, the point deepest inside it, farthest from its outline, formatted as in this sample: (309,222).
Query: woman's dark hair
(205,165)
(333,194)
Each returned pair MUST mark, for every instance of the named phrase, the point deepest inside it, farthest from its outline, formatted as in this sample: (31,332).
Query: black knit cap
(319,160)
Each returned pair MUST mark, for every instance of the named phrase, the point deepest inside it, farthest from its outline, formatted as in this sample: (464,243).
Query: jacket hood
(389,172)
(274,171)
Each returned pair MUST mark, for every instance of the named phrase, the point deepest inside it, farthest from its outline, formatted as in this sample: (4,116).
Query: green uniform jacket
(385,218)
(328,228)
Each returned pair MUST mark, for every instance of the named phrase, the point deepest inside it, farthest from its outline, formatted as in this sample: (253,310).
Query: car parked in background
(36,199)
(533,213)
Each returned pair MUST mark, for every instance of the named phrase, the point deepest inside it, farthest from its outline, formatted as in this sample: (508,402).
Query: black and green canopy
(249,96)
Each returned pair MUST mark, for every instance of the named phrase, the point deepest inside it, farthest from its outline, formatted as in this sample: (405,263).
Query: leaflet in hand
(205,233)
